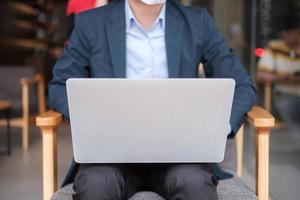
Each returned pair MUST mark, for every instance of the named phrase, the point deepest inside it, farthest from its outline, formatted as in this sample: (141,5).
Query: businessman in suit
(147,39)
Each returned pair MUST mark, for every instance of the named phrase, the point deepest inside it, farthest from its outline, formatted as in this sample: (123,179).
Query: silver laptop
(149,121)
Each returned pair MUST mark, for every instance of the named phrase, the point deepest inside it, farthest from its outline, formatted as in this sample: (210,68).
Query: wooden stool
(6,106)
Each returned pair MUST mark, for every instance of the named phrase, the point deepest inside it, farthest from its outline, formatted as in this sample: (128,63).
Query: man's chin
(149,4)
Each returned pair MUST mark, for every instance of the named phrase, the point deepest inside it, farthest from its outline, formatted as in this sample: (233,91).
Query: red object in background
(259,52)
(77,6)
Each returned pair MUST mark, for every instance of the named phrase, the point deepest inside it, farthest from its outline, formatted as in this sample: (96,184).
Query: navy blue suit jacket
(97,49)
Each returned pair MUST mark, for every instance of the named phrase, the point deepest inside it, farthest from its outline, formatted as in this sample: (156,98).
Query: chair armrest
(260,118)
(50,118)
(31,80)
(48,123)
(263,122)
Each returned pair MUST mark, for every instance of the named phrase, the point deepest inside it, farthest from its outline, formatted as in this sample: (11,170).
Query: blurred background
(264,34)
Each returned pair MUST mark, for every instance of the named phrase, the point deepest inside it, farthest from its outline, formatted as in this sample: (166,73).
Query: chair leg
(25,135)
(8,130)
(48,123)
(49,161)
(262,163)
(240,151)
(25,126)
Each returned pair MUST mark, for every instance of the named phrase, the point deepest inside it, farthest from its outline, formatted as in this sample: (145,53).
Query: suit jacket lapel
(116,34)
(174,38)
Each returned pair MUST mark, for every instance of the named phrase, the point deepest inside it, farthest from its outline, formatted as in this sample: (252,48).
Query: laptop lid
(149,121)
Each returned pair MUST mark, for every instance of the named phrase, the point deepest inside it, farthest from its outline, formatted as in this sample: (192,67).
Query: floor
(21,172)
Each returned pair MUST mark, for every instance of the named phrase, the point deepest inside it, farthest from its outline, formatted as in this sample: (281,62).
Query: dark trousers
(121,181)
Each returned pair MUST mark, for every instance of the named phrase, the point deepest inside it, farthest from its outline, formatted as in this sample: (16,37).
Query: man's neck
(145,14)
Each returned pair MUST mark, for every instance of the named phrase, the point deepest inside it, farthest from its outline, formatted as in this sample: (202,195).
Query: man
(148,39)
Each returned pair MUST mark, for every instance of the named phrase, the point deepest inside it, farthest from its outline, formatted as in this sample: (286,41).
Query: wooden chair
(257,117)
(17,87)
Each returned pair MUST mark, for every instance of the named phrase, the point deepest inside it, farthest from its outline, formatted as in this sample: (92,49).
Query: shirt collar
(130,18)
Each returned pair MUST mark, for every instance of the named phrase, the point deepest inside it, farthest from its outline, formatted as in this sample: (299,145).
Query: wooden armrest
(50,118)
(31,80)
(260,118)
(263,122)
(48,122)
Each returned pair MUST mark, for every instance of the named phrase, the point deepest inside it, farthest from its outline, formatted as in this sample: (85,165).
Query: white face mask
(153,2)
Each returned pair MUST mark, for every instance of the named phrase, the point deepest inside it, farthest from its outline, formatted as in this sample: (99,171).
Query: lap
(106,181)
(145,177)
(183,175)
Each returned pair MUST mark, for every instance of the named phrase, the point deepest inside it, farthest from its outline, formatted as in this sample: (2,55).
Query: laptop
(149,121)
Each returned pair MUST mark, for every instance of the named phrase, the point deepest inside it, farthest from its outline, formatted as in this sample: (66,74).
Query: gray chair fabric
(10,87)
(235,189)
(146,196)
(64,193)
(230,189)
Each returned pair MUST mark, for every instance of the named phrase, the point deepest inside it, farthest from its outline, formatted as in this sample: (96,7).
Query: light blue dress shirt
(146,55)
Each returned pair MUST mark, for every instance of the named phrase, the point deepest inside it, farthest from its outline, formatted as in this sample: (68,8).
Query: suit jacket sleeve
(221,62)
(74,63)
